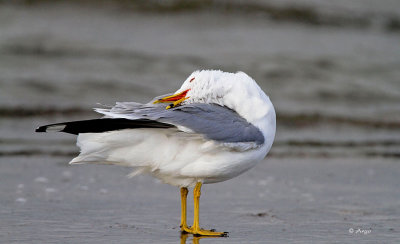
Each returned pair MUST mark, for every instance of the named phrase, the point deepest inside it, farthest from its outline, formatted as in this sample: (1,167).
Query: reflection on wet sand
(196,239)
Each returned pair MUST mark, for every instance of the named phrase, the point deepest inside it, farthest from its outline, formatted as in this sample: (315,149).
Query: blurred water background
(331,68)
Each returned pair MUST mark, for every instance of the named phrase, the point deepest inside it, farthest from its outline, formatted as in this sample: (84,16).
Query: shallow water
(334,83)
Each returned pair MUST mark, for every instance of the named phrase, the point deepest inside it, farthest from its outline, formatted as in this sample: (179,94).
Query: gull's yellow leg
(195,229)
(184,192)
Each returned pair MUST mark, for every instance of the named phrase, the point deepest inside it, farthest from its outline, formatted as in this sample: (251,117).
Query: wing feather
(101,125)
(213,121)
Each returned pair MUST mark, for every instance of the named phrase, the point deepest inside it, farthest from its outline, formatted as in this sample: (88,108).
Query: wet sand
(333,168)
(280,201)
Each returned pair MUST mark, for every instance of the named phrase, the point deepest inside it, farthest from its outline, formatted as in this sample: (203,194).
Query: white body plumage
(180,156)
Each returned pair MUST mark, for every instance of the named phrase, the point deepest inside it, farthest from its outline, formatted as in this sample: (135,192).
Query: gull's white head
(237,91)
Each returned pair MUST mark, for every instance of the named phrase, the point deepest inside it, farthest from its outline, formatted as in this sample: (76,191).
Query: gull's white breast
(173,158)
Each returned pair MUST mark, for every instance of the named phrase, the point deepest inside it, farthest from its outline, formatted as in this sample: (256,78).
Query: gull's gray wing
(213,121)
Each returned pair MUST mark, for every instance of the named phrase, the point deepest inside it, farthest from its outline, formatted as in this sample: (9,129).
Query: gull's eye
(191,79)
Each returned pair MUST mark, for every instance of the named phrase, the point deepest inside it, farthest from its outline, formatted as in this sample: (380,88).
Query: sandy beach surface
(331,70)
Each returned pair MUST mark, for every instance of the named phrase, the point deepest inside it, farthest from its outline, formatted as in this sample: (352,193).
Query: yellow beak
(175,99)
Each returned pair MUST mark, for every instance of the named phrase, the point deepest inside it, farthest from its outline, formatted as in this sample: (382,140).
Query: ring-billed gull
(215,127)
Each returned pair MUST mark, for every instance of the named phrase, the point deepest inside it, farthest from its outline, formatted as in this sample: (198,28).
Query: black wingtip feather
(52,128)
(101,125)
(41,129)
